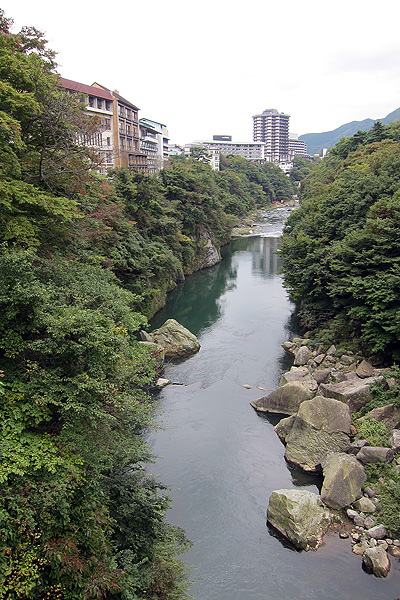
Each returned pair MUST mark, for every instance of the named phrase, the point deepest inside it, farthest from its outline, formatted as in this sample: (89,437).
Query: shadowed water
(221,459)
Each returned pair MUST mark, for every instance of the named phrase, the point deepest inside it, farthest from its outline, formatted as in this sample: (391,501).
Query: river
(223,460)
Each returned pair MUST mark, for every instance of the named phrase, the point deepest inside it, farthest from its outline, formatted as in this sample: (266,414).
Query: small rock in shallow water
(246,386)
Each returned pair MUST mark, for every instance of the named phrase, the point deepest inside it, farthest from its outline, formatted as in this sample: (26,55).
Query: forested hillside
(317,141)
(82,260)
(341,250)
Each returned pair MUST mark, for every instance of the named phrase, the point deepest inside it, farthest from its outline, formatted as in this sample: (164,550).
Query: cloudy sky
(206,67)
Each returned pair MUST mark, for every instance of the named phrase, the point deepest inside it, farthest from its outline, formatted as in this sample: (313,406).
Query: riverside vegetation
(84,260)
(341,263)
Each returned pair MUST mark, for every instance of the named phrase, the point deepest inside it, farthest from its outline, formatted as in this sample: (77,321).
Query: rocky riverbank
(321,395)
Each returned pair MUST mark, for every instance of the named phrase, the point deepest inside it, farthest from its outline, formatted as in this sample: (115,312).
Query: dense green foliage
(82,259)
(341,249)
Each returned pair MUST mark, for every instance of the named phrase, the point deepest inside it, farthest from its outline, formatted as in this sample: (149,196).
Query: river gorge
(220,458)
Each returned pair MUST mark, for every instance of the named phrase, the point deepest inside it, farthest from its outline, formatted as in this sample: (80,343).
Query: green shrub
(373,431)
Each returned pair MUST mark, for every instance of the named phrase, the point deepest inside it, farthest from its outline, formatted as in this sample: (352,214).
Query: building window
(128,130)
(122,143)
(108,105)
(99,103)
(91,101)
(121,111)
(108,141)
(128,114)
(128,144)
(121,127)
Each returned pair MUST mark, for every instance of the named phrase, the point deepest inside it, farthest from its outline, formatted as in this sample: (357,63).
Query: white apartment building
(154,143)
(296,147)
(249,150)
(272,128)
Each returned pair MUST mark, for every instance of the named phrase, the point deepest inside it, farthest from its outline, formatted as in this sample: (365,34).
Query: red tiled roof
(85,89)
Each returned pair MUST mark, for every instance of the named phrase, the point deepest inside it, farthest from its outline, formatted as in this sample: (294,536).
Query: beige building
(117,141)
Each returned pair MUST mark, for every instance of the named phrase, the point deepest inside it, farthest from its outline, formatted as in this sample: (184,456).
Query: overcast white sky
(206,67)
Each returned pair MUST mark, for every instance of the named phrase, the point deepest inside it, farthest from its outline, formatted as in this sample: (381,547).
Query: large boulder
(376,561)
(299,516)
(375,454)
(389,415)
(285,400)
(176,340)
(284,427)
(295,374)
(355,392)
(321,426)
(302,356)
(343,480)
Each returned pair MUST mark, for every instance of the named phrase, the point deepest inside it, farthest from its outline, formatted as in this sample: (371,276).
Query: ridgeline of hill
(317,141)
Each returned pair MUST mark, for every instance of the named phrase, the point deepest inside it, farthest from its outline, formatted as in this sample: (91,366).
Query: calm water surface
(221,459)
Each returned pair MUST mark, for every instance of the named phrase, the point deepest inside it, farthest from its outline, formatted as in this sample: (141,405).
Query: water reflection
(195,303)
(266,261)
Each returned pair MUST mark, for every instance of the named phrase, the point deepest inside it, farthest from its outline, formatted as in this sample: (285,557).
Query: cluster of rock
(320,393)
(369,539)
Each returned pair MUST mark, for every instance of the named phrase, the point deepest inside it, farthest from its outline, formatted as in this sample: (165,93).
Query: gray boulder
(365,369)
(378,532)
(321,375)
(176,340)
(375,454)
(388,415)
(356,446)
(343,479)
(321,426)
(299,516)
(376,561)
(365,505)
(285,400)
(395,440)
(295,374)
(355,392)
(302,356)
(283,428)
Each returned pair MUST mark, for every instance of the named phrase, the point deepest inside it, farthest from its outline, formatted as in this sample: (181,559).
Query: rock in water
(299,516)
(285,399)
(322,425)
(176,340)
(376,561)
(343,478)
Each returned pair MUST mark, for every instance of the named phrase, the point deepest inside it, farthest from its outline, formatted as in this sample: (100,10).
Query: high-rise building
(272,128)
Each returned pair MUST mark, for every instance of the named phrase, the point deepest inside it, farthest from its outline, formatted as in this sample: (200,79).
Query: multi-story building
(117,141)
(154,143)
(272,129)
(203,153)
(296,147)
(99,103)
(253,151)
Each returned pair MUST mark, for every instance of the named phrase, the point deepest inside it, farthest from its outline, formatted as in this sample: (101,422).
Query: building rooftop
(85,89)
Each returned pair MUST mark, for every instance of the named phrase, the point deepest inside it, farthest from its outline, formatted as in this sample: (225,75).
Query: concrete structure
(249,150)
(154,143)
(117,140)
(272,129)
(99,103)
(203,153)
(296,147)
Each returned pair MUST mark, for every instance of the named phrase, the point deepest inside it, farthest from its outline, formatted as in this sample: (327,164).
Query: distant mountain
(317,141)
